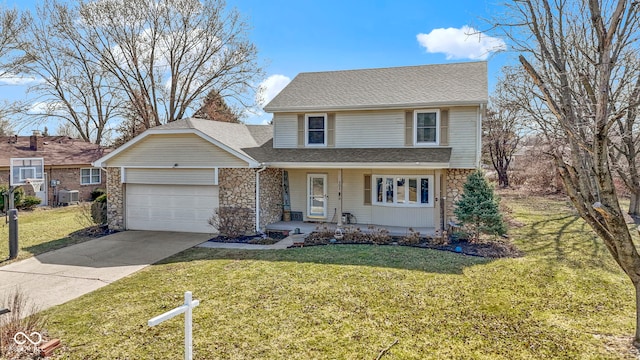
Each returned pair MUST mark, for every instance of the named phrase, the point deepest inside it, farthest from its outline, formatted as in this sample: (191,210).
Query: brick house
(67,164)
(391,147)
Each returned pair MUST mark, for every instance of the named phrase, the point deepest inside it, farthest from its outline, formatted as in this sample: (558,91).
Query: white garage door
(171,207)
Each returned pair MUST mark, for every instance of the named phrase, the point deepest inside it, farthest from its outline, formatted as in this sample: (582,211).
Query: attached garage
(166,179)
(184,208)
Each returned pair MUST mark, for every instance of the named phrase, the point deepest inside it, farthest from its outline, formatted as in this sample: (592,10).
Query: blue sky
(296,36)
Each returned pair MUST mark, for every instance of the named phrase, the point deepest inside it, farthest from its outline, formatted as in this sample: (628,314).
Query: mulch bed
(273,237)
(499,248)
(93,232)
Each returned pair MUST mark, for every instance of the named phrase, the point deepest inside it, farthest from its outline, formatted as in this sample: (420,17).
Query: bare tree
(502,130)
(572,52)
(215,108)
(168,54)
(5,128)
(12,26)
(74,87)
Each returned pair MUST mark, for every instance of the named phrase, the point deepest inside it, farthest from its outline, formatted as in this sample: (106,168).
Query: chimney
(36,142)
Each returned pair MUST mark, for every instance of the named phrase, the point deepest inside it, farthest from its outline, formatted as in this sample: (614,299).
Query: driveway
(59,276)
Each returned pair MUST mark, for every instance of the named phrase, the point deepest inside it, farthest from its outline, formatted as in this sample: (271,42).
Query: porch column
(438,206)
(339,212)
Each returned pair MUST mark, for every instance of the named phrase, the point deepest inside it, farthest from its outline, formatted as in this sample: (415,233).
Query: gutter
(258,197)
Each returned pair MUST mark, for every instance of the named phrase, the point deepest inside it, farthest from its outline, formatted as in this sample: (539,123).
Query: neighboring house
(67,164)
(390,146)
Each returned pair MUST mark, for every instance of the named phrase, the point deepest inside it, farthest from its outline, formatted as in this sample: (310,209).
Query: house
(67,164)
(390,147)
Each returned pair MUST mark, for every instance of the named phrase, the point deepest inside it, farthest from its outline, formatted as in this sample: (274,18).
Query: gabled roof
(397,87)
(231,137)
(57,151)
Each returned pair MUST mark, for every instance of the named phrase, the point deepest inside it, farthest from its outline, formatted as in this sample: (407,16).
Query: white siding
(170,149)
(353,198)
(463,134)
(170,176)
(370,129)
(285,130)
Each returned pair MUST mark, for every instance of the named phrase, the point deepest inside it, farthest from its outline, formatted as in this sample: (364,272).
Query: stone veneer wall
(455,184)
(270,196)
(115,200)
(238,188)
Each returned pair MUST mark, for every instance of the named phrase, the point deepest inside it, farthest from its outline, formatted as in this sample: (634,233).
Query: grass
(42,230)
(565,299)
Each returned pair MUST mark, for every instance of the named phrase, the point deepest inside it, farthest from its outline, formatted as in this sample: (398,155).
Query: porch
(307,227)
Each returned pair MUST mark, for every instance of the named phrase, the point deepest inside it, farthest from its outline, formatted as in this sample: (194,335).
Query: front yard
(43,230)
(565,298)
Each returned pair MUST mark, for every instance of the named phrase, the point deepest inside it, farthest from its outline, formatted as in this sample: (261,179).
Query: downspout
(258,197)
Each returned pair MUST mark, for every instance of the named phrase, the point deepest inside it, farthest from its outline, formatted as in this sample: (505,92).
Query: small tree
(478,207)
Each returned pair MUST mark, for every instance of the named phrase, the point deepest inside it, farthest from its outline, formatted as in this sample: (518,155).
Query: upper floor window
(90,176)
(426,124)
(316,129)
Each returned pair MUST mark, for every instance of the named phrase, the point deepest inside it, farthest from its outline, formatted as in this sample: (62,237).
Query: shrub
(97,193)
(478,207)
(232,221)
(18,195)
(412,238)
(99,210)
(379,236)
(320,236)
(29,203)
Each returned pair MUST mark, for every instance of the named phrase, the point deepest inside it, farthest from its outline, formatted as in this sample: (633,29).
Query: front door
(317,195)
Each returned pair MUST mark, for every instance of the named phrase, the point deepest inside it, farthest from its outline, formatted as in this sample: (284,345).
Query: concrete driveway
(59,276)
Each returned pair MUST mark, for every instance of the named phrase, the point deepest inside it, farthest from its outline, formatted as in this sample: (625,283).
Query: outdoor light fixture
(4,311)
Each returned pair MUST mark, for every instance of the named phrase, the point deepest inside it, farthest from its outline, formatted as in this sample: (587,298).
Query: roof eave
(358,165)
(285,109)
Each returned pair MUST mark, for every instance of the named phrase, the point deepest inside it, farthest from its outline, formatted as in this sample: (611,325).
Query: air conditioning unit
(67,197)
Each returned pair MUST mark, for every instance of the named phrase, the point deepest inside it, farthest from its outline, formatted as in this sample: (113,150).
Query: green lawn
(42,230)
(565,299)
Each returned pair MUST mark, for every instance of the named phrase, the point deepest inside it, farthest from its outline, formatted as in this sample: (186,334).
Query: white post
(186,308)
(188,338)
(339,225)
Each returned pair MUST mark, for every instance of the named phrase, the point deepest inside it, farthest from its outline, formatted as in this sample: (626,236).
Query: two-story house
(390,147)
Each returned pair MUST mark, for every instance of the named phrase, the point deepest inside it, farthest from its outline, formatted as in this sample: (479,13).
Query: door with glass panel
(317,195)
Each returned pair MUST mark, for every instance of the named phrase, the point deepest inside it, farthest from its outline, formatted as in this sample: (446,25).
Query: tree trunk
(503,178)
(636,338)
(634,205)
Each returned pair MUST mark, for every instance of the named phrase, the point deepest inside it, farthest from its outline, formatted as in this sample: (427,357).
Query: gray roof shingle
(409,86)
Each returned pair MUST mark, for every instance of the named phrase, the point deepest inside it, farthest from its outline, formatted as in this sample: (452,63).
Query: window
(403,190)
(316,128)
(90,176)
(425,124)
(367,190)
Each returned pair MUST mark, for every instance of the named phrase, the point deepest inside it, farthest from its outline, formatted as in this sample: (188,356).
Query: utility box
(68,197)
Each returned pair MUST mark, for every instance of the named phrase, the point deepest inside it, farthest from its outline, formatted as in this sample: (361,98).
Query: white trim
(299,109)
(216,172)
(306,129)
(123,178)
(415,127)
(481,112)
(91,176)
(252,163)
(324,190)
(181,167)
(363,165)
(418,204)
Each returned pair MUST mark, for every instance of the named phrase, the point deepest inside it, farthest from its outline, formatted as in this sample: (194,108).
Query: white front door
(317,195)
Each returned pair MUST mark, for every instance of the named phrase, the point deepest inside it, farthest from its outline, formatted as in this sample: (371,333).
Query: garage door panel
(170,207)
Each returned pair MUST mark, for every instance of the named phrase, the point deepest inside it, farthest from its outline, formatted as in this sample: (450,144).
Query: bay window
(403,190)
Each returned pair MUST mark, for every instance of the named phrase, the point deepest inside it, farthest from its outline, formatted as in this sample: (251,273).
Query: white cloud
(463,43)
(46,107)
(270,87)
(11,79)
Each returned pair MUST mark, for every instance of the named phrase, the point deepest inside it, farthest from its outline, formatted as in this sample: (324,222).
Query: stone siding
(115,200)
(238,188)
(455,186)
(270,196)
